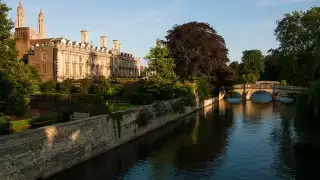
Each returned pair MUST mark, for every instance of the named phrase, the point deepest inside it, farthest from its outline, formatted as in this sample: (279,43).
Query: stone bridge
(275,90)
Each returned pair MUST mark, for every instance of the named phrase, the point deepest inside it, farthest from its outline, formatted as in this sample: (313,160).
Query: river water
(225,141)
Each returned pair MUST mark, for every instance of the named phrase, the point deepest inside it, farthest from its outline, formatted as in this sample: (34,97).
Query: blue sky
(244,24)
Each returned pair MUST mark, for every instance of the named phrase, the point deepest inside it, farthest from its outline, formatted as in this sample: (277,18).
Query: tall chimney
(116,45)
(84,36)
(103,41)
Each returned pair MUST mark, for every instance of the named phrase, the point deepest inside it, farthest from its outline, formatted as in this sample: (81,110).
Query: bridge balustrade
(260,86)
(292,88)
(238,86)
(270,86)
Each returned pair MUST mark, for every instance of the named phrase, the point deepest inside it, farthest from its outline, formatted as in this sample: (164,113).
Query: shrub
(48,86)
(17,80)
(44,120)
(181,90)
(4,125)
(63,87)
(102,88)
(142,98)
(283,82)
(203,87)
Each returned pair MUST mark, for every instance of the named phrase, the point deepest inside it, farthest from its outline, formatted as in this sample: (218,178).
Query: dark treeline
(297,57)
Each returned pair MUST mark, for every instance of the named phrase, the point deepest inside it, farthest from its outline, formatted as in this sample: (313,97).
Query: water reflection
(224,141)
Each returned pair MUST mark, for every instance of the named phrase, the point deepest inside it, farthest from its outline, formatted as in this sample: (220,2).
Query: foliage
(272,67)
(196,48)
(298,34)
(102,88)
(19,125)
(142,98)
(253,62)
(249,79)
(44,120)
(222,79)
(4,125)
(16,79)
(283,82)
(236,67)
(66,86)
(203,87)
(161,63)
(86,85)
(48,86)
(183,89)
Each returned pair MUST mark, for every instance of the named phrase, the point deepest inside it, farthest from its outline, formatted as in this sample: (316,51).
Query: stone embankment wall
(42,152)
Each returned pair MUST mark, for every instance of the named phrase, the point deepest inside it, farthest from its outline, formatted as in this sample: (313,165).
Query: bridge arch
(253,95)
(249,92)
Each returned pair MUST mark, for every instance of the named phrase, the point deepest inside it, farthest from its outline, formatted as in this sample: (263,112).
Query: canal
(243,141)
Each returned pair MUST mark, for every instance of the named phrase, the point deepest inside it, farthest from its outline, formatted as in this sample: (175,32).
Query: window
(44,56)
(44,69)
(67,69)
(97,70)
(74,70)
(67,57)
(80,70)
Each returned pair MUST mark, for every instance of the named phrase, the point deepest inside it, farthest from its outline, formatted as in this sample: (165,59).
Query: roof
(44,41)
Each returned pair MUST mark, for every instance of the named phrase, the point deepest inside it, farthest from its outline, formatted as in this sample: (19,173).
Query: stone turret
(20,16)
(41,25)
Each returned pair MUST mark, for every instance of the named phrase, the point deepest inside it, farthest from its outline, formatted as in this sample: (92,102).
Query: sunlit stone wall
(42,152)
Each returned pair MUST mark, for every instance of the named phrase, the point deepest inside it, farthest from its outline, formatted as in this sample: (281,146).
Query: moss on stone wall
(144,118)
(161,108)
(117,118)
(177,106)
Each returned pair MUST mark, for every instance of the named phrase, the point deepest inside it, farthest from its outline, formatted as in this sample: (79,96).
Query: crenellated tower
(41,25)
(20,16)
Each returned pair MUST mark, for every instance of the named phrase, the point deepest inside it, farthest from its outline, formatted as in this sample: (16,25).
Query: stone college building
(58,59)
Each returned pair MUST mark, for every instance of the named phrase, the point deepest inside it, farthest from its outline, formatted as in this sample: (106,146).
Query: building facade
(58,59)
(125,65)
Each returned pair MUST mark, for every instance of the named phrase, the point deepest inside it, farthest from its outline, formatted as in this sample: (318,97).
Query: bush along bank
(58,101)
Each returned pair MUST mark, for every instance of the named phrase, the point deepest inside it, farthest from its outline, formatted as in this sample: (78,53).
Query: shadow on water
(245,141)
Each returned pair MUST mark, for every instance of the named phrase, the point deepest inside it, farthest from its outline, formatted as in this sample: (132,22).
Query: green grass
(121,106)
(20,125)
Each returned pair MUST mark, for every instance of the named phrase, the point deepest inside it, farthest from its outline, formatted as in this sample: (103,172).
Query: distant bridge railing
(269,86)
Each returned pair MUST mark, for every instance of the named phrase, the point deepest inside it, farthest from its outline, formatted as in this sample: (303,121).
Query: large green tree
(236,67)
(17,80)
(297,33)
(161,63)
(253,62)
(272,66)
